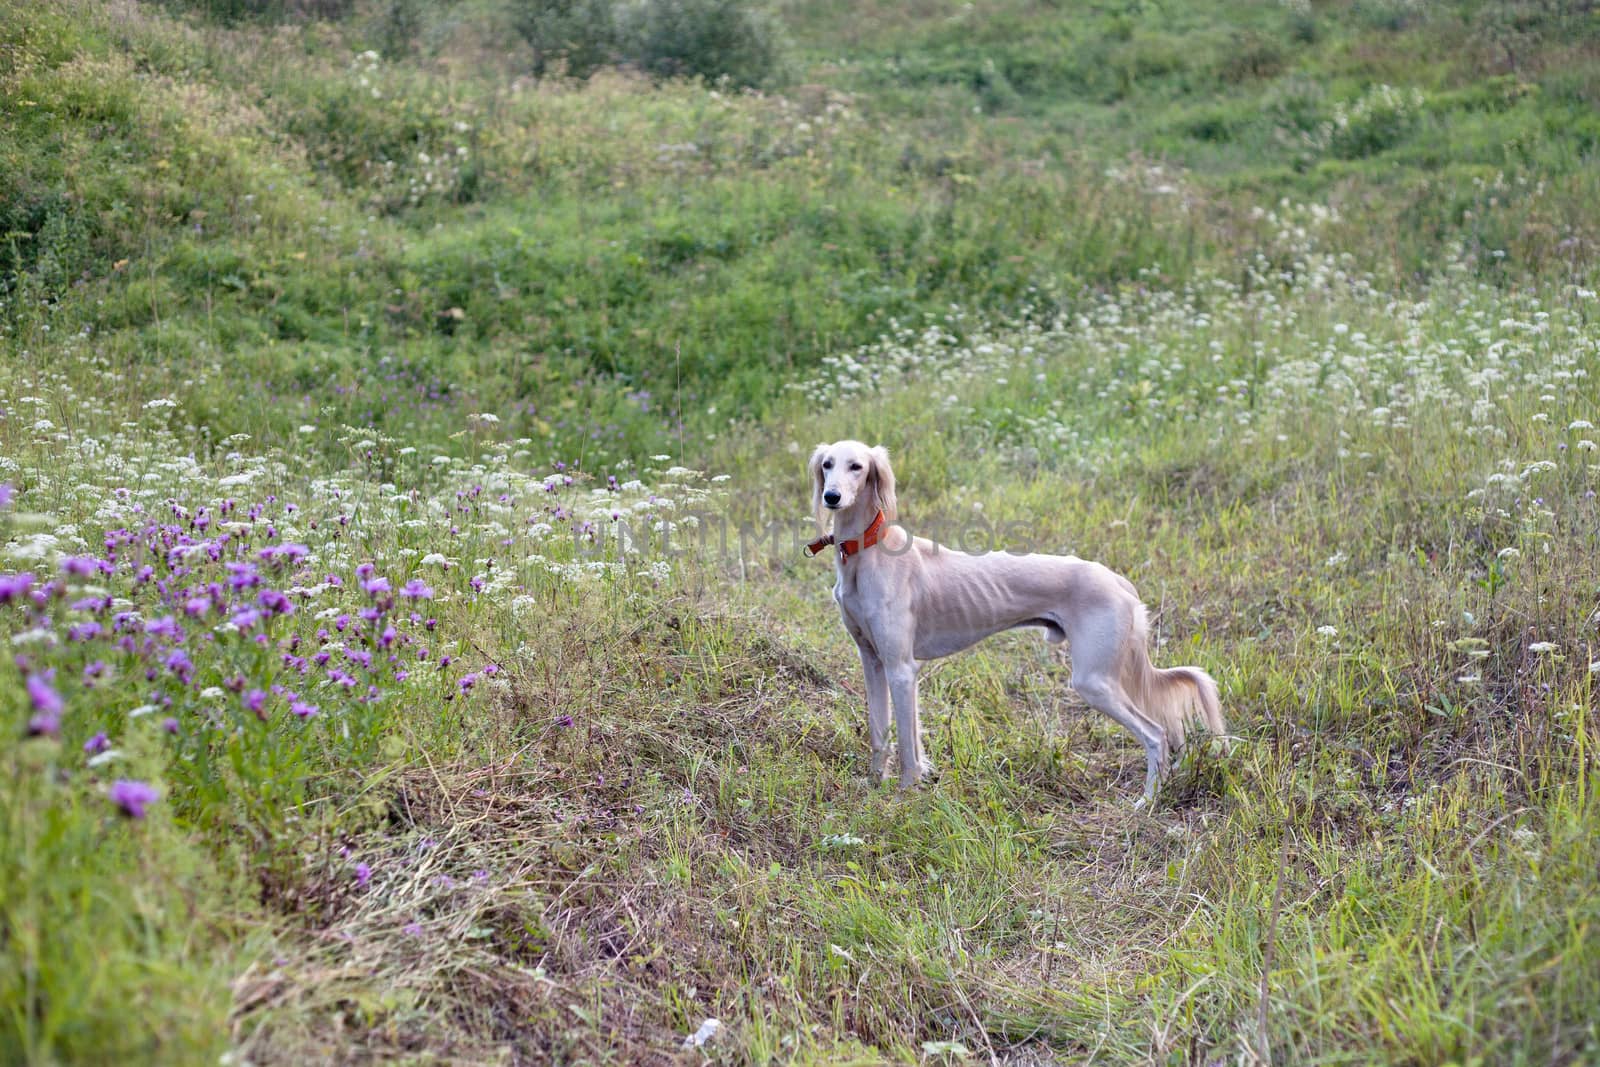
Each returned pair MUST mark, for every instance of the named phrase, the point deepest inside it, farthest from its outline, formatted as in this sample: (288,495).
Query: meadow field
(403,419)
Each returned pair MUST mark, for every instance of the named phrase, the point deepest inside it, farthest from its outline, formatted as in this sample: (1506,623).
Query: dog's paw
(924,774)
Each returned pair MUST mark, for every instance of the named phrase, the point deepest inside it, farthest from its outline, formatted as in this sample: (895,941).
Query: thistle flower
(275,603)
(255,702)
(47,705)
(132,797)
(15,586)
(83,631)
(166,626)
(96,744)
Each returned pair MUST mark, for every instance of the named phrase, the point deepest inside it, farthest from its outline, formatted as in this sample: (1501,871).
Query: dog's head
(846,472)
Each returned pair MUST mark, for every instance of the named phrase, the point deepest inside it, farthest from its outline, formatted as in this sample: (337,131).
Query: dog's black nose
(831,498)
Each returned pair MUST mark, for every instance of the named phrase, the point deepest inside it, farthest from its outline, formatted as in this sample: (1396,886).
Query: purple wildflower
(132,797)
(302,708)
(275,602)
(166,626)
(83,631)
(15,586)
(288,552)
(97,744)
(169,724)
(43,695)
(179,663)
(243,576)
(417,589)
(46,722)
(363,874)
(255,701)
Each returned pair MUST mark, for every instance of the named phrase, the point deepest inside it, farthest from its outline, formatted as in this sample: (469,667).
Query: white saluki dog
(906,599)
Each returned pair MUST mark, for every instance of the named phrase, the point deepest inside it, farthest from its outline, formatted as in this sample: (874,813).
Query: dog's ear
(883,480)
(815,467)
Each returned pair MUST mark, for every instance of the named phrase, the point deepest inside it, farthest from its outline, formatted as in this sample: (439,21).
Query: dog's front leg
(903,688)
(877,708)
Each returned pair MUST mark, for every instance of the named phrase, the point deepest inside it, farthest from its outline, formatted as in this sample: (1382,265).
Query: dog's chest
(848,595)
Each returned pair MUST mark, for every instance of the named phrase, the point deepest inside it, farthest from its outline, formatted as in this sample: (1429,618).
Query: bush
(1378,120)
(571,36)
(708,39)
(1251,57)
(236,11)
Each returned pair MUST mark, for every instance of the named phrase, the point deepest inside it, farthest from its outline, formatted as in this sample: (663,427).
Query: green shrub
(571,36)
(232,11)
(708,39)
(1250,57)
(1379,120)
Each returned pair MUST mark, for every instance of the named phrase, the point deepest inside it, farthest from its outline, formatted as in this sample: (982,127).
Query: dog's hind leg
(1095,652)
(1105,695)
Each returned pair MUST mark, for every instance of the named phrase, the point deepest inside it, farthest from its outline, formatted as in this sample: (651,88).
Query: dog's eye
(855,466)
(828,466)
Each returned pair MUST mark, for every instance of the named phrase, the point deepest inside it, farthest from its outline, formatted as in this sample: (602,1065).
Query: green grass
(1182,288)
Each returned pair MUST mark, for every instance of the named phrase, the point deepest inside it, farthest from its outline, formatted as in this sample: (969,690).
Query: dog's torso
(943,601)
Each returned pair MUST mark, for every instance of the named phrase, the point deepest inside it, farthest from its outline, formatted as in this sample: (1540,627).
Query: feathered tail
(1175,698)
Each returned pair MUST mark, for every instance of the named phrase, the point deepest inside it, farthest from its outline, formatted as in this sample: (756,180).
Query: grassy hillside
(401,487)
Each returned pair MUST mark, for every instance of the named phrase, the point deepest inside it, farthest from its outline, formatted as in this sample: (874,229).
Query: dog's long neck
(851,522)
